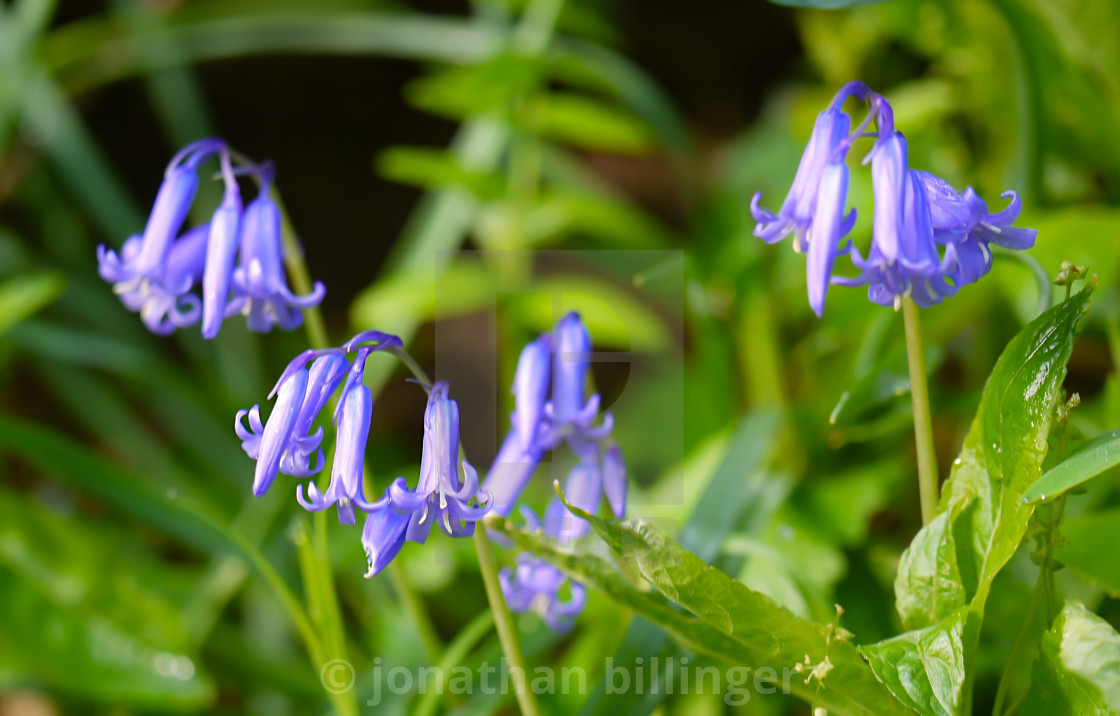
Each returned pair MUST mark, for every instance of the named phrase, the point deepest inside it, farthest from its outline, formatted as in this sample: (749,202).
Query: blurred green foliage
(137,573)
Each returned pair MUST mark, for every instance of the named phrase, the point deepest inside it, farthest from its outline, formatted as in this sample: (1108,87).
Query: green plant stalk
(487,565)
(503,621)
(315,551)
(919,400)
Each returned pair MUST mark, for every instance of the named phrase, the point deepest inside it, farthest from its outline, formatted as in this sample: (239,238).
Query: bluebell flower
(155,271)
(537,586)
(813,210)
(553,366)
(441,496)
(530,388)
(225,239)
(964,222)
(904,259)
(353,415)
(510,473)
(928,240)
(260,285)
(383,536)
(570,415)
(287,443)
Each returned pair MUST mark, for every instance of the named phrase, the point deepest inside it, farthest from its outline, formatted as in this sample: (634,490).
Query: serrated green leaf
(728,621)
(1091,459)
(925,669)
(1078,669)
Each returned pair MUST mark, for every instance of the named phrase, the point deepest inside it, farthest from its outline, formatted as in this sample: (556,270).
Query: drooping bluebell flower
(441,496)
(904,259)
(570,415)
(225,239)
(553,409)
(156,273)
(537,586)
(530,388)
(260,285)
(355,409)
(287,443)
(964,222)
(383,537)
(813,210)
(555,365)
(928,240)
(156,270)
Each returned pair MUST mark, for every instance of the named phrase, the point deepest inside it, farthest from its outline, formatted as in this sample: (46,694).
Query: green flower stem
(487,565)
(314,552)
(919,398)
(503,620)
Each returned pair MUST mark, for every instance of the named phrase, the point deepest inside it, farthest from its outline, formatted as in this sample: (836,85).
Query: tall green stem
(923,423)
(503,620)
(488,566)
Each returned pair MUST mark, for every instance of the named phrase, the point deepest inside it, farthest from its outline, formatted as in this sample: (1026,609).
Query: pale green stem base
(923,423)
(503,620)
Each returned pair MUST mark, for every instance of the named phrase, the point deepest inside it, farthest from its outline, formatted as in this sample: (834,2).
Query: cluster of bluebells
(235,260)
(928,239)
(552,409)
(446,493)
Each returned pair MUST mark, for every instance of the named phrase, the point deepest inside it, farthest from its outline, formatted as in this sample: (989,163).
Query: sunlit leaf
(1091,459)
(1078,671)
(724,619)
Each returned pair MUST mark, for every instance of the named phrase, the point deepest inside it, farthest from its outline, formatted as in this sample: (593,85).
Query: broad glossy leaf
(925,669)
(1001,457)
(1078,669)
(724,618)
(1091,459)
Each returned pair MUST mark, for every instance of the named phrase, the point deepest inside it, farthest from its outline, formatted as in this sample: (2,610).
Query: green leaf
(433,169)
(1001,457)
(22,296)
(726,620)
(928,587)
(1078,669)
(925,669)
(727,501)
(589,123)
(1091,459)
